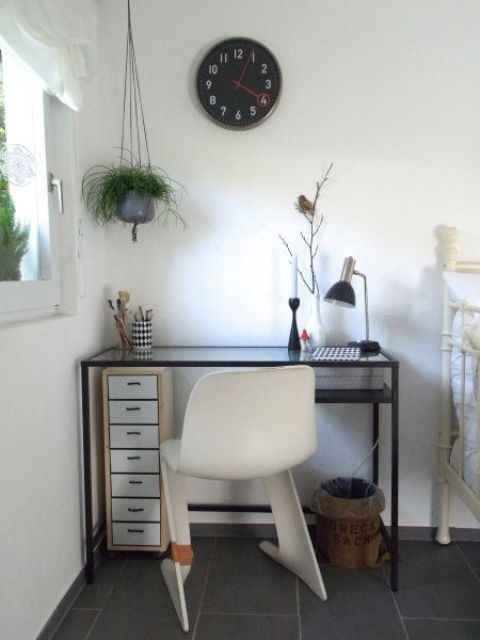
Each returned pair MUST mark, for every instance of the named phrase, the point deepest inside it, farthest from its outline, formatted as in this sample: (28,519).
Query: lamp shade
(342,294)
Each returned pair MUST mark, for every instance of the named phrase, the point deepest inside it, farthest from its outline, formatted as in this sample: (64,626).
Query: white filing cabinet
(138,415)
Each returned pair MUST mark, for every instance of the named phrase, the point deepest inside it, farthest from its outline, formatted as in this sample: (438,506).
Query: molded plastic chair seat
(244,425)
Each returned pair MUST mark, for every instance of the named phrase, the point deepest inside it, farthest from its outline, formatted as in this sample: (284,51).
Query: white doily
(18,164)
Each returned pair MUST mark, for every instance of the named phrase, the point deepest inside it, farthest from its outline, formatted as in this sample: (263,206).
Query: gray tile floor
(234,592)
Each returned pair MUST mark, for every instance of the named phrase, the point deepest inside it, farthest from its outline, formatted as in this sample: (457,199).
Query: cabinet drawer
(126,387)
(135,485)
(133,411)
(136,509)
(140,436)
(136,534)
(134,461)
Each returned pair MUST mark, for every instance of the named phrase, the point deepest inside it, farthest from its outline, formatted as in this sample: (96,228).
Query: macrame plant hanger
(134,132)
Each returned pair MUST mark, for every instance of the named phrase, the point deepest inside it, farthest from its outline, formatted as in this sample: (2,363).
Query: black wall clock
(238,83)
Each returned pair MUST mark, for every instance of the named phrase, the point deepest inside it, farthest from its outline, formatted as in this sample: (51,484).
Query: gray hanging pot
(136,209)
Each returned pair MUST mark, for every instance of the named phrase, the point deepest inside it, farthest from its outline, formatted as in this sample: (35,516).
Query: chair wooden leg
(176,569)
(295,549)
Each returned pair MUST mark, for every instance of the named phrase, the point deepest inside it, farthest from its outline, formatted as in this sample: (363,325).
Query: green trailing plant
(130,189)
(104,187)
(14,236)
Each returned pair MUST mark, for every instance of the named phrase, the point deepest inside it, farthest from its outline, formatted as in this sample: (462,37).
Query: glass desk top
(228,357)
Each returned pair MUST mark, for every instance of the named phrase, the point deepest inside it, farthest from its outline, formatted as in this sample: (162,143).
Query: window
(29,277)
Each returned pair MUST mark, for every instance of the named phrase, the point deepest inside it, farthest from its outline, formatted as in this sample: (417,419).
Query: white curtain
(55,38)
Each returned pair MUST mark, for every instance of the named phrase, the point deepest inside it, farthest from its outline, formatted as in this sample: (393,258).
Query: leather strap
(182,553)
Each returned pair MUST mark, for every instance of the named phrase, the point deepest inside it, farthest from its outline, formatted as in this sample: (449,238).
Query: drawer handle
(131,384)
(135,482)
(133,408)
(135,530)
(132,510)
(134,433)
(134,457)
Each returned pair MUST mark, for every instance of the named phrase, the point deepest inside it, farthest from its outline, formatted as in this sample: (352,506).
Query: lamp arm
(365,290)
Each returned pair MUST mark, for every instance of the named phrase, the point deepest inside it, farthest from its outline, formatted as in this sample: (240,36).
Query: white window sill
(14,319)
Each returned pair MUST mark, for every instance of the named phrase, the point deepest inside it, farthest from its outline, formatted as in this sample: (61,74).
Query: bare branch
(286,244)
(321,183)
(304,239)
(304,281)
(318,226)
(315,223)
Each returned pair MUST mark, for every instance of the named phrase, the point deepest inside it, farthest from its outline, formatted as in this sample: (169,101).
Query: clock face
(238,83)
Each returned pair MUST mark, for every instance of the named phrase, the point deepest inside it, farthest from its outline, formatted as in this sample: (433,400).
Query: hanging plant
(131,189)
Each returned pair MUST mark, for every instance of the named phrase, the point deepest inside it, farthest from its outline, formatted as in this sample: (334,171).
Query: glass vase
(314,326)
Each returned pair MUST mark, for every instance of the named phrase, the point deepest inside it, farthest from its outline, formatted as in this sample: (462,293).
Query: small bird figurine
(305,205)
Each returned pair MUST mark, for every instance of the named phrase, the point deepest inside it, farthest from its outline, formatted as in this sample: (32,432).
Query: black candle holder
(294,340)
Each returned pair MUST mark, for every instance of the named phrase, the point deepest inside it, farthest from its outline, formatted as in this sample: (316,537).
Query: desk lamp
(342,294)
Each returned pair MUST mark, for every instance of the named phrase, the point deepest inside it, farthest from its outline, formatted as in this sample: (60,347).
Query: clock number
(264,67)
(238,54)
(224,57)
(212,69)
(213,100)
(238,115)
(223,110)
(253,111)
(208,84)
(263,99)
(268,83)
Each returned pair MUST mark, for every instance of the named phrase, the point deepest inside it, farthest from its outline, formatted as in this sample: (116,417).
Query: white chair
(243,425)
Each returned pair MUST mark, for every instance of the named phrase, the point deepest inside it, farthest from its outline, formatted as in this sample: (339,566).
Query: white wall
(41,529)
(386,91)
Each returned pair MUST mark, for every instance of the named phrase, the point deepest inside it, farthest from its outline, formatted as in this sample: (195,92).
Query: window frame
(55,291)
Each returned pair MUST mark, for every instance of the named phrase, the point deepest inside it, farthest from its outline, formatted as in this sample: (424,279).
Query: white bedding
(465,287)
(469,464)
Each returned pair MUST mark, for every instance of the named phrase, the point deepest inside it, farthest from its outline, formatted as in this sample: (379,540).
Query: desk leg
(394,487)
(87,474)
(375,438)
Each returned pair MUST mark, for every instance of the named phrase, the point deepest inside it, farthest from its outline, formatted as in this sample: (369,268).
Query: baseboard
(235,530)
(56,619)
(232,530)
(457,534)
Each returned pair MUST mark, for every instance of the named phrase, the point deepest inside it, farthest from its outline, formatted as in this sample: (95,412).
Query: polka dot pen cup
(142,335)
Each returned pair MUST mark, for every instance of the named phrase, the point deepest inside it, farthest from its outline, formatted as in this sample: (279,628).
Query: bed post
(450,256)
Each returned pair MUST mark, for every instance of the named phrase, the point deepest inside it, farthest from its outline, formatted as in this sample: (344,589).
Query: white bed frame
(449,477)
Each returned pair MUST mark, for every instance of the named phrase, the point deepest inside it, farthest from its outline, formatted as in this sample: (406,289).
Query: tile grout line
(89,632)
(100,611)
(297,597)
(115,582)
(467,562)
(442,619)
(202,597)
(247,613)
(397,608)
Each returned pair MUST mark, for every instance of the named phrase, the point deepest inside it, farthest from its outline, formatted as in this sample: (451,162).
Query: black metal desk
(226,357)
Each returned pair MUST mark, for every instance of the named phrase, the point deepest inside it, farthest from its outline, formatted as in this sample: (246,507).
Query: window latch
(56,183)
